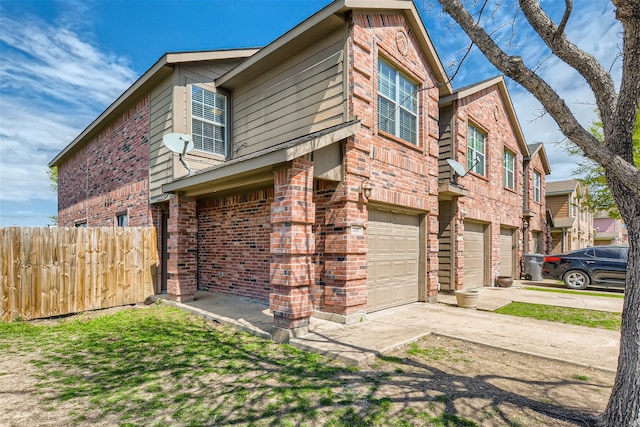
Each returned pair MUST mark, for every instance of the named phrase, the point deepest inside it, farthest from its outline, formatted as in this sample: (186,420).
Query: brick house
(535,224)
(313,184)
(491,214)
(572,226)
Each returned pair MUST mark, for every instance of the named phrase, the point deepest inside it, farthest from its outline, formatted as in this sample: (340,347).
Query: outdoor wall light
(365,188)
(525,224)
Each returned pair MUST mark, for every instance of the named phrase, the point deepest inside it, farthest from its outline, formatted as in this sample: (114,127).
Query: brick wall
(109,175)
(488,200)
(233,245)
(402,174)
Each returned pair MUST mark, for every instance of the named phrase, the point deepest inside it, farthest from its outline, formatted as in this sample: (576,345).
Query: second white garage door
(474,255)
(393,257)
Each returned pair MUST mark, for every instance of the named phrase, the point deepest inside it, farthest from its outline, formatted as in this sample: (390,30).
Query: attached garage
(507,252)
(393,258)
(475,255)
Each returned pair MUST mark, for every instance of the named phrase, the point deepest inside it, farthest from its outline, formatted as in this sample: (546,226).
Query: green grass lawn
(574,316)
(159,366)
(569,291)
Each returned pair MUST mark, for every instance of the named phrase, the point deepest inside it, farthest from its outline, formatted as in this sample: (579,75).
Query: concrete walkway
(388,330)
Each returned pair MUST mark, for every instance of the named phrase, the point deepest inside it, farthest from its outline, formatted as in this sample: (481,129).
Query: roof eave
(158,71)
(504,92)
(336,10)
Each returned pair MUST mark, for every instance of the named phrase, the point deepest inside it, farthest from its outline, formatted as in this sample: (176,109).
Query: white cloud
(53,82)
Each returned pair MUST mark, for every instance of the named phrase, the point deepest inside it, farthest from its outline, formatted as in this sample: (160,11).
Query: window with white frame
(397,103)
(476,150)
(536,186)
(208,121)
(508,179)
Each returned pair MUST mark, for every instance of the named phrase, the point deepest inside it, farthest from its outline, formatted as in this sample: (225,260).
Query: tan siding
(444,143)
(445,246)
(559,206)
(301,95)
(161,118)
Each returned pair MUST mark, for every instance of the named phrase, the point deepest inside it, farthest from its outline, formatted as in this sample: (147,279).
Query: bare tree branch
(514,67)
(565,17)
(597,77)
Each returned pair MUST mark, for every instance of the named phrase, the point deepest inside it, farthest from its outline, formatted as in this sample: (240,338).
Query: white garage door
(474,255)
(392,259)
(507,252)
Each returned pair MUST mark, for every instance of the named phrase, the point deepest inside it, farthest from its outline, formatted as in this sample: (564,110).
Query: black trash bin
(532,266)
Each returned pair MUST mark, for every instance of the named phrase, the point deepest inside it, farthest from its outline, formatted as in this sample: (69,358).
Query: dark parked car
(599,265)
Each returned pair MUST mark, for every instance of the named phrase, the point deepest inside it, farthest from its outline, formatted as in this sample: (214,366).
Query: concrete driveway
(390,329)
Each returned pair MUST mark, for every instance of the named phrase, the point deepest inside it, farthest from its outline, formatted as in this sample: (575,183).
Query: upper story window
(508,179)
(208,121)
(397,103)
(536,186)
(476,150)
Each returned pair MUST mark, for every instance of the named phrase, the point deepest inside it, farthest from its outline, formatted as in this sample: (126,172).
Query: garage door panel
(506,252)
(392,258)
(474,255)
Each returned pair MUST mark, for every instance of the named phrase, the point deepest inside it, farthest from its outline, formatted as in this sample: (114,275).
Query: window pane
(386,81)
(208,110)
(386,117)
(397,103)
(475,150)
(508,178)
(408,127)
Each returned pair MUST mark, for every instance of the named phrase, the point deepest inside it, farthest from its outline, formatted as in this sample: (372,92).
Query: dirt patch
(438,376)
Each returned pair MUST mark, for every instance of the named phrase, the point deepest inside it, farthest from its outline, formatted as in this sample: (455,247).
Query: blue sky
(63,62)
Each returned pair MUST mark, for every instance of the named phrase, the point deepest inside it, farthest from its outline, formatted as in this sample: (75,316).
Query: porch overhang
(255,170)
(449,191)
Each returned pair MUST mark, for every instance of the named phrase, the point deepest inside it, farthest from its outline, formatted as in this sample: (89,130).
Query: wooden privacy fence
(53,271)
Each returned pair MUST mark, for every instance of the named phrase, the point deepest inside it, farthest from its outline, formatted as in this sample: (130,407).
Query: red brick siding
(537,223)
(488,200)
(402,174)
(233,245)
(109,175)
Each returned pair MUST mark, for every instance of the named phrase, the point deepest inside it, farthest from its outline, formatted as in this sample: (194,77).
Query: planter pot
(467,298)
(504,281)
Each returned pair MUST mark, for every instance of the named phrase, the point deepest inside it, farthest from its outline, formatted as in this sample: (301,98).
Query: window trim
(225,125)
(506,171)
(398,107)
(537,193)
(470,159)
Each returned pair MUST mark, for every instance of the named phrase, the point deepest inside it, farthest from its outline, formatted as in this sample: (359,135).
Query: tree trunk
(623,408)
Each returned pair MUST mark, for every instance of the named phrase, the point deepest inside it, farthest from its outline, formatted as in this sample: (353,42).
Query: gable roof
(568,186)
(506,98)
(327,18)
(539,150)
(154,75)
(331,17)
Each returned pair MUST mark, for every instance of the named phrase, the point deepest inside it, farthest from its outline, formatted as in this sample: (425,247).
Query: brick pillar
(292,248)
(345,252)
(182,248)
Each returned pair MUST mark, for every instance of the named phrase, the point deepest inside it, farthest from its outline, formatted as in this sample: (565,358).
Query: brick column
(292,247)
(344,299)
(182,247)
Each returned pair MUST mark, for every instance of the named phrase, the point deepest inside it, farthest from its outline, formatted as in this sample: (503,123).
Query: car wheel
(575,279)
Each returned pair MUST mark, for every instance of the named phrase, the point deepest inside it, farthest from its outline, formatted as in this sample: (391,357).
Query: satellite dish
(457,167)
(178,142)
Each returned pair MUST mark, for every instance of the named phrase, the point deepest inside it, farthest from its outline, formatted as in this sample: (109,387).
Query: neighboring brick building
(536,228)
(486,214)
(313,184)
(572,226)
